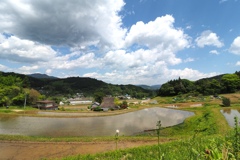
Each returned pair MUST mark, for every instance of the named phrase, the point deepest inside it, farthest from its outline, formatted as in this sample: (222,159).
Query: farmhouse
(47,105)
(108,103)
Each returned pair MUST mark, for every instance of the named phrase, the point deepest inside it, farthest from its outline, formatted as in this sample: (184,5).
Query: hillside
(43,76)
(221,84)
(52,86)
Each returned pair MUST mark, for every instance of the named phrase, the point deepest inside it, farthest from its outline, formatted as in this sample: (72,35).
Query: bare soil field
(19,150)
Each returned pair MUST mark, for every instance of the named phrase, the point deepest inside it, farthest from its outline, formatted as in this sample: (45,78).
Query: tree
(166,90)
(230,83)
(226,102)
(124,105)
(33,96)
(216,86)
(98,96)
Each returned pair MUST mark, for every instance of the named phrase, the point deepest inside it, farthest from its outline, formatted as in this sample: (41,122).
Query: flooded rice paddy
(229,114)
(128,123)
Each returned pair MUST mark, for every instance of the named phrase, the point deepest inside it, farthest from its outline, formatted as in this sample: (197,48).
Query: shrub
(226,102)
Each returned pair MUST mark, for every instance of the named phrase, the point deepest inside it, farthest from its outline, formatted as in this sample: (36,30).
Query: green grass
(5,111)
(192,148)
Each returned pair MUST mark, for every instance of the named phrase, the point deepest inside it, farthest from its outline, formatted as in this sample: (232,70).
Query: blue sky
(121,42)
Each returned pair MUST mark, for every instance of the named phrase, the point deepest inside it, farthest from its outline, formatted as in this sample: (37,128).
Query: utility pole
(25,101)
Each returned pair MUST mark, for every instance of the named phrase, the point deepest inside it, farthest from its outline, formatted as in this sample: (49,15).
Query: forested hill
(72,85)
(225,83)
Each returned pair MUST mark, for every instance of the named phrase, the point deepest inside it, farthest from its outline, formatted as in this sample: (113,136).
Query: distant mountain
(153,87)
(41,76)
(156,87)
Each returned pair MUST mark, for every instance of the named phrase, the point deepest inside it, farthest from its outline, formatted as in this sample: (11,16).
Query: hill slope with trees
(15,87)
(225,83)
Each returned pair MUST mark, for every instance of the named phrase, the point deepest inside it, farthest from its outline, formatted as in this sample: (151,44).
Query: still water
(229,114)
(128,124)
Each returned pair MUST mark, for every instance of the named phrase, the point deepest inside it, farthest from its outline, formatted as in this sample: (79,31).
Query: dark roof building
(108,103)
(47,105)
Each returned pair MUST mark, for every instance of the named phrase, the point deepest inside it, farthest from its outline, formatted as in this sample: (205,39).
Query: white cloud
(188,73)
(18,50)
(48,71)
(28,69)
(238,63)
(159,33)
(222,1)
(2,38)
(208,38)
(214,52)
(3,67)
(82,61)
(157,74)
(189,27)
(235,46)
(188,60)
(73,23)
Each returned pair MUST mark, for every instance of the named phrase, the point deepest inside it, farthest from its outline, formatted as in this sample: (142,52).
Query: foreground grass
(210,147)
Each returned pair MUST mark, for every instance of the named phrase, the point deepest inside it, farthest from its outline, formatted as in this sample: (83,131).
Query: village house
(108,104)
(46,105)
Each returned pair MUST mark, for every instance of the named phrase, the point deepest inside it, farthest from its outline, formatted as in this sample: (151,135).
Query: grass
(211,147)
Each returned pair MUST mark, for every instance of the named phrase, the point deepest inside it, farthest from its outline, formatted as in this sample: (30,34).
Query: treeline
(226,83)
(14,88)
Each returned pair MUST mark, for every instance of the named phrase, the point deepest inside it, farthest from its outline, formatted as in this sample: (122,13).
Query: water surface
(128,123)
(229,114)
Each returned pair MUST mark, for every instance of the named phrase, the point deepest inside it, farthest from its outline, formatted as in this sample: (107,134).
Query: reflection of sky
(128,123)
(229,114)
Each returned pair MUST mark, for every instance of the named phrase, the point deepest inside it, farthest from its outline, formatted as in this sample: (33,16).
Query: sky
(121,41)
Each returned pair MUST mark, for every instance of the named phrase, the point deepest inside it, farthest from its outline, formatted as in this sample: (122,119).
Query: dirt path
(10,150)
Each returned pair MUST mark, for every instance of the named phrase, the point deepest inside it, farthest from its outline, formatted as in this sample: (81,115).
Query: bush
(226,102)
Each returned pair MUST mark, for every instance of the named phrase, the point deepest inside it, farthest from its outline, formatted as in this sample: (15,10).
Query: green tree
(226,102)
(166,90)
(98,96)
(33,96)
(124,105)
(216,86)
(230,83)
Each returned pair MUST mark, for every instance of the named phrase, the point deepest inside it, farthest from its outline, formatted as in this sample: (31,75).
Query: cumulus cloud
(3,67)
(48,71)
(83,61)
(28,69)
(235,46)
(238,63)
(97,44)
(74,23)
(214,52)
(159,33)
(208,38)
(144,74)
(157,74)
(19,50)
(188,60)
